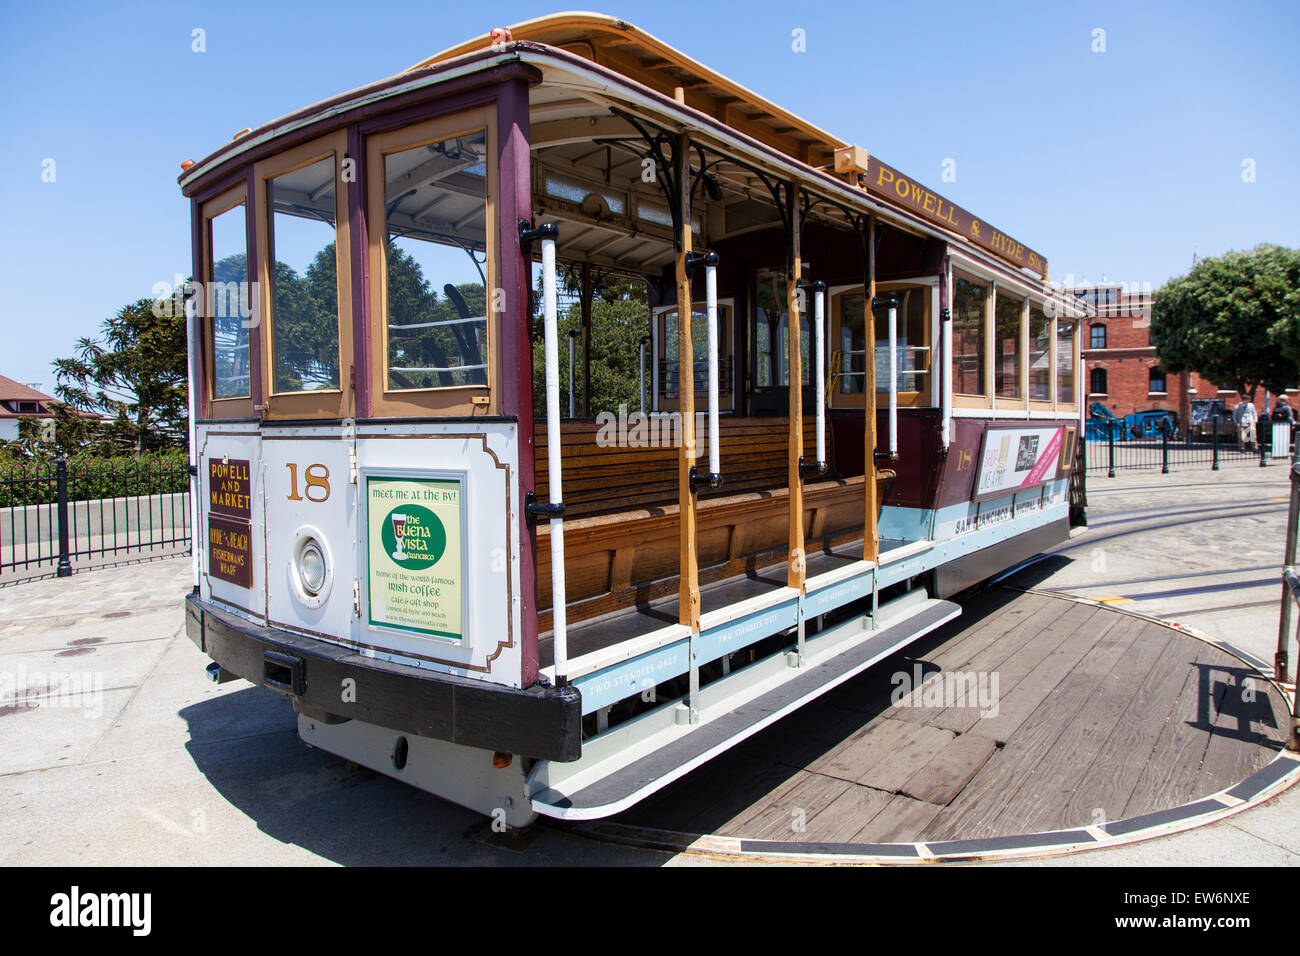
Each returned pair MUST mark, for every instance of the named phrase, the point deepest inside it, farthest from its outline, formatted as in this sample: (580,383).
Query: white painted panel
(486,456)
(293,514)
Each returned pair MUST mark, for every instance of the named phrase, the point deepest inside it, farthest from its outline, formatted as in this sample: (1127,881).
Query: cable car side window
(1007,345)
(969,339)
(227,302)
(436,258)
(1040,355)
(1064,362)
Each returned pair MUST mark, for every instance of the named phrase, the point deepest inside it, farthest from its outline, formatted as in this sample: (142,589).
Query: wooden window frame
(658,343)
(1038,404)
(1021,402)
(326,403)
(455,400)
(922,398)
(982,400)
(230,407)
(1076,340)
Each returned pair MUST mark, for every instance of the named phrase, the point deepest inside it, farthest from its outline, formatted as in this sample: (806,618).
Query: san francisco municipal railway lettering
(230,551)
(230,488)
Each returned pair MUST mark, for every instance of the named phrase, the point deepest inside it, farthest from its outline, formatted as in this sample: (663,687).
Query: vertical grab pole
(711,311)
(645,340)
(192,358)
(819,340)
(945,369)
(573,338)
(1280,659)
(893,377)
(554,487)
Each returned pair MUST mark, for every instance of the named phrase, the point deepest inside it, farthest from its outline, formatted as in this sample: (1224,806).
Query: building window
(1097,381)
(1156,380)
(1097,339)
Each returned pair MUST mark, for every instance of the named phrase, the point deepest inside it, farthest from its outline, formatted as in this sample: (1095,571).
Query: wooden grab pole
(689,586)
(870,532)
(796,568)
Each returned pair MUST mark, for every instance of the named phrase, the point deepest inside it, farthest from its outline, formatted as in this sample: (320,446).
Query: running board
(633,760)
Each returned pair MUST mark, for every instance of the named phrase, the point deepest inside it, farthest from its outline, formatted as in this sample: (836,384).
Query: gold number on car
(317,480)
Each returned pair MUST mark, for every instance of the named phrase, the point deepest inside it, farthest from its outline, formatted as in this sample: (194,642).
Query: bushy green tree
(619,318)
(1234,319)
(133,375)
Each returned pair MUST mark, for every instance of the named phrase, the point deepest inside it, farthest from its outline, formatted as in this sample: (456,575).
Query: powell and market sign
(889,183)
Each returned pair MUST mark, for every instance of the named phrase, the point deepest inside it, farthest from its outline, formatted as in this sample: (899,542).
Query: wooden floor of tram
(1101,716)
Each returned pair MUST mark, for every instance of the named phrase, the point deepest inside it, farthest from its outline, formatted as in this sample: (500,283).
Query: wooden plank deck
(1098,716)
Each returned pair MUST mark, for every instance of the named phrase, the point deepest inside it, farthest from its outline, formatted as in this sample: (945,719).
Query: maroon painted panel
(198,362)
(514,273)
(359,238)
(255,330)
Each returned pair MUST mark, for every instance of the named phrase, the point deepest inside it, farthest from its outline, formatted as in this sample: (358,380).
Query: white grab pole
(893,378)
(559,634)
(641,373)
(191,365)
(711,310)
(946,370)
(572,337)
(819,322)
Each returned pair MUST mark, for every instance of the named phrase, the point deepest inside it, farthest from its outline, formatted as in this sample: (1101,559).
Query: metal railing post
(1215,466)
(61,485)
(1110,441)
(1164,452)
(1280,660)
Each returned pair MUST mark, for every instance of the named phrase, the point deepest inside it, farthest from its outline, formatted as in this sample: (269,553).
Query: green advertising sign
(413,539)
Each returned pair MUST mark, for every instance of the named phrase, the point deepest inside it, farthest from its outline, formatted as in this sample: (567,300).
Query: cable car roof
(629,51)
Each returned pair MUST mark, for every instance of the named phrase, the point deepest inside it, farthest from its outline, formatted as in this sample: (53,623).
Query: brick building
(1121,366)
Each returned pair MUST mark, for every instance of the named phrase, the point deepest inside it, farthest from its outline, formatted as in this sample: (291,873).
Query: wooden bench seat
(608,479)
(621,528)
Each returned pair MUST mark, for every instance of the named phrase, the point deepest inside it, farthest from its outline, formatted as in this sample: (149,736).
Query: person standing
(1245,417)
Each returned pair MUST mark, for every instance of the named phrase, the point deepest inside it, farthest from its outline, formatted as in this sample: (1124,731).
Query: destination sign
(230,551)
(889,183)
(230,489)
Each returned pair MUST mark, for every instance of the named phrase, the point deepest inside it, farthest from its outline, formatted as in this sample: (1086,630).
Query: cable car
(564,413)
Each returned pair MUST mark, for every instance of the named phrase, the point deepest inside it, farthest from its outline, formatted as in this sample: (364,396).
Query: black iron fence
(57,515)
(1111,450)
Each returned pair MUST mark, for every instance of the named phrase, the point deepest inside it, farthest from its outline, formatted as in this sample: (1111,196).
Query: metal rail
(1290,593)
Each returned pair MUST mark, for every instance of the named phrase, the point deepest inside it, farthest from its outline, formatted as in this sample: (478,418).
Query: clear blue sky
(1120,163)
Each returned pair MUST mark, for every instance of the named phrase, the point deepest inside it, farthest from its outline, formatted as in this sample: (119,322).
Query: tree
(1234,319)
(619,318)
(134,375)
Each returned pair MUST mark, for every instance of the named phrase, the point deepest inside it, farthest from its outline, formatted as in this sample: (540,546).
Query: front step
(633,760)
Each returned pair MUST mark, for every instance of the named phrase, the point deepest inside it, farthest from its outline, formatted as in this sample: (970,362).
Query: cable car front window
(304,278)
(435,199)
(228,303)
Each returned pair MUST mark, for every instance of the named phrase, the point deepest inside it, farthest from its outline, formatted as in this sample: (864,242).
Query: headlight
(311,567)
